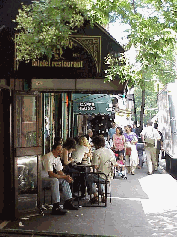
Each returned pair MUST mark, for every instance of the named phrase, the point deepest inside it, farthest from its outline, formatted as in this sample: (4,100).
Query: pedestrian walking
(159,144)
(150,136)
(110,134)
(131,155)
(119,142)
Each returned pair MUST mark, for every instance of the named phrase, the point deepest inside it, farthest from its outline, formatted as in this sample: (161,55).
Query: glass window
(27,174)
(26,121)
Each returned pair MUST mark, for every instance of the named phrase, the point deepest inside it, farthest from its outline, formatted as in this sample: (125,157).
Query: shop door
(28,149)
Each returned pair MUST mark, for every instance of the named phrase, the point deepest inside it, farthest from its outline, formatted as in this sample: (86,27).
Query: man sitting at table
(103,161)
(53,176)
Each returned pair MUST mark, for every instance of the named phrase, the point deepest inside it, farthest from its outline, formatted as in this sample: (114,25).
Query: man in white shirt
(150,136)
(53,175)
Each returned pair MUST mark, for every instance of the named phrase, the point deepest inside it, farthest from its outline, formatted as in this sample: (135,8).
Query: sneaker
(58,211)
(149,173)
(69,205)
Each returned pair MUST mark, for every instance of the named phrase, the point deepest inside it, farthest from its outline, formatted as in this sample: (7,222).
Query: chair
(106,182)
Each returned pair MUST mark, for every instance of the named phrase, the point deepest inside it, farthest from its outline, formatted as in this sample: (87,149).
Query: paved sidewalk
(142,206)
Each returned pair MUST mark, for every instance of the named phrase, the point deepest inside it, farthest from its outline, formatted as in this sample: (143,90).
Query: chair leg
(106,194)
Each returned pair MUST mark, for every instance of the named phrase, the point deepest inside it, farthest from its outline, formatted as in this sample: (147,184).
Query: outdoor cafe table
(87,171)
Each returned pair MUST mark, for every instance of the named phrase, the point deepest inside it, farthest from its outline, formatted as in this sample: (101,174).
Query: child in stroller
(120,170)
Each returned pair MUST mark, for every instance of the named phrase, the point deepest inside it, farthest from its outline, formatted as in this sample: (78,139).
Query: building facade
(37,104)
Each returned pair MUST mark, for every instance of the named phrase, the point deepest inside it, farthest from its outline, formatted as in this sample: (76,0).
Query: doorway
(28,149)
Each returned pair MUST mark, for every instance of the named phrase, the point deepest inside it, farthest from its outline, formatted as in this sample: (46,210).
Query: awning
(92,104)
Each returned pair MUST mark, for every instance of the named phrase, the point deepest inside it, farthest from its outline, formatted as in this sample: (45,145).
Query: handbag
(128,151)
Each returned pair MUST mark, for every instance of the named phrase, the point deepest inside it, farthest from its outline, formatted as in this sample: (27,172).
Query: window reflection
(27,174)
(26,121)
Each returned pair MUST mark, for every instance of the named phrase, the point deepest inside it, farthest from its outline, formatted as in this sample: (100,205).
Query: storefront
(92,112)
(42,101)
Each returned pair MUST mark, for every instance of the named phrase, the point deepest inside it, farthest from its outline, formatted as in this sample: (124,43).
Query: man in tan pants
(150,136)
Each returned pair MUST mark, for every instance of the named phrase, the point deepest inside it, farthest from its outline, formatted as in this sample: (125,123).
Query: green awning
(92,104)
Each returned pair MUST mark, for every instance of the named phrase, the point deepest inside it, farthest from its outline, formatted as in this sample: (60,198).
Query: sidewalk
(142,206)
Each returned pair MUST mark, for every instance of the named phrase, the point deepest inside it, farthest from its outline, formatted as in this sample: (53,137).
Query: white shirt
(150,133)
(103,157)
(78,154)
(48,162)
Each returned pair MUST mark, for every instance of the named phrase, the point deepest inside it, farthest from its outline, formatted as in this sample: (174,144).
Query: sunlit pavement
(143,205)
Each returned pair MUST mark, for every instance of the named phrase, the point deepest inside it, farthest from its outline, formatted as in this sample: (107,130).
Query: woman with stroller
(118,143)
(131,155)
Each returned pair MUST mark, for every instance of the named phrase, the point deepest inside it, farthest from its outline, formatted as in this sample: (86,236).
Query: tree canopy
(153,34)
(45,24)
(153,28)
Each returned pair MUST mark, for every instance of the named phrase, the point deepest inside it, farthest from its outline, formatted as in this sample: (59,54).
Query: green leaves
(47,23)
(153,35)
(44,24)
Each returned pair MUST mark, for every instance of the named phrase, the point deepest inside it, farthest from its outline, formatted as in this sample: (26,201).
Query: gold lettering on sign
(44,63)
(56,64)
(64,64)
(38,63)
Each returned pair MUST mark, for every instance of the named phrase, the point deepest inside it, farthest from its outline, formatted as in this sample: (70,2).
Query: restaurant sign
(87,106)
(80,59)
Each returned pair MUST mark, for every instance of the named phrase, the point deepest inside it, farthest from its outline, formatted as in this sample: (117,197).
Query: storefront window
(27,174)
(49,121)
(26,121)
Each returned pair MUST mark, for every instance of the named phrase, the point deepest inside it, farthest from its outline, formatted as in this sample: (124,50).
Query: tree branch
(134,9)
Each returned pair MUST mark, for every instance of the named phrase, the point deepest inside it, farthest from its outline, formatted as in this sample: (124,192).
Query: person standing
(134,128)
(150,136)
(131,155)
(159,144)
(53,175)
(110,134)
(119,142)
(89,136)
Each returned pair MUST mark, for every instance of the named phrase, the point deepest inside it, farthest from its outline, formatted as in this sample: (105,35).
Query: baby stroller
(120,172)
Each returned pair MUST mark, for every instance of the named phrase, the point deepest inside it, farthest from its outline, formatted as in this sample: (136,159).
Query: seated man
(53,175)
(103,161)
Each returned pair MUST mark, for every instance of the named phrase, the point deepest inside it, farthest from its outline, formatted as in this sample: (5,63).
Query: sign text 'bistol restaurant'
(81,58)
(59,58)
